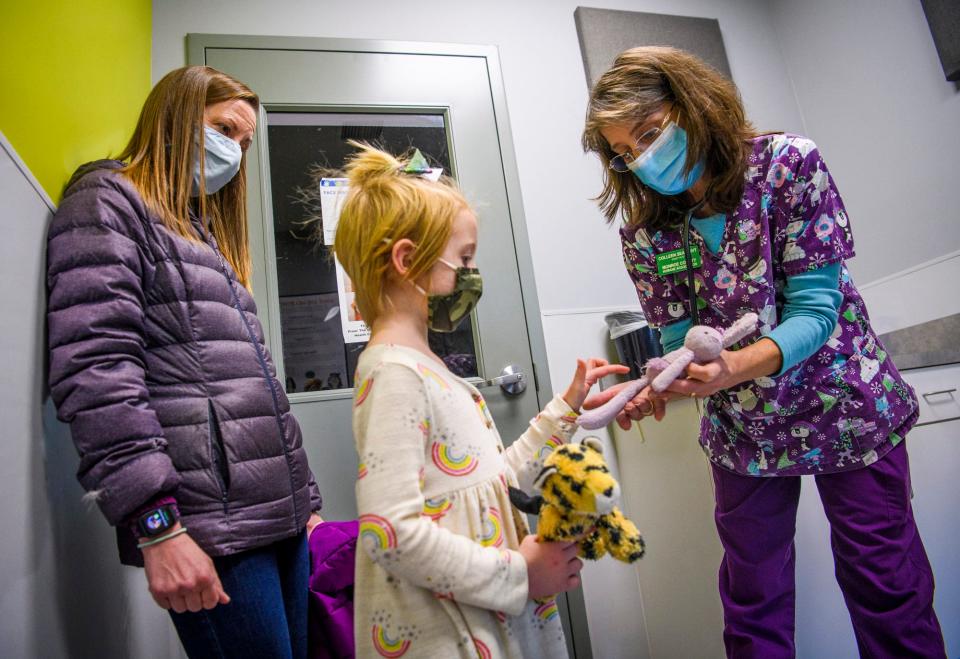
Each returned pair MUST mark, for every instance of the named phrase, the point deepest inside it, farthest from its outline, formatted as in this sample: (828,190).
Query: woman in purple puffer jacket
(158,363)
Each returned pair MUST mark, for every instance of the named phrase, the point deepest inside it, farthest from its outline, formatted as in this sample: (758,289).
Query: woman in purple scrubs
(812,392)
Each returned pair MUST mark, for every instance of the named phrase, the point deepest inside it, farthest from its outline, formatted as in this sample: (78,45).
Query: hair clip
(419,166)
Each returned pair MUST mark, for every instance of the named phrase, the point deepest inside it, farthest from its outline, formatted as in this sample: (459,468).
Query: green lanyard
(688,258)
(694,311)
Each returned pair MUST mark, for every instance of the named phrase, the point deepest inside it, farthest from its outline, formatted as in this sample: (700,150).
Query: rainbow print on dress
(492,535)
(547,610)
(362,392)
(570,417)
(549,447)
(386,646)
(554,442)
(430,374)
(482,650)
(450,462)
(377,532)
(483,410)
(436,508)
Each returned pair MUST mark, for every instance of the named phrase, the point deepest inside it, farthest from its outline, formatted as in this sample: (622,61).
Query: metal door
(446,100)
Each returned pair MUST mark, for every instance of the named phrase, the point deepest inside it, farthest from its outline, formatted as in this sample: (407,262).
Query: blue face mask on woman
(660,167)
(221,161)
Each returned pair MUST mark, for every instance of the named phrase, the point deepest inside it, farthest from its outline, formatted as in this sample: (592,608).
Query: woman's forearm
(759,359)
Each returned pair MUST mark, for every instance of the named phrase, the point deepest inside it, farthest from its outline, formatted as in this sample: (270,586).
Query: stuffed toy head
(576,477)
(576,495)
(705,343)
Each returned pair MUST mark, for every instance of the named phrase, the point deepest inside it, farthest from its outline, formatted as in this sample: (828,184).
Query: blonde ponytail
(370,166)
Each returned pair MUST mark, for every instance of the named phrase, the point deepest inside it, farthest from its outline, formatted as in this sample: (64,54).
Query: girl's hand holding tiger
(552,567)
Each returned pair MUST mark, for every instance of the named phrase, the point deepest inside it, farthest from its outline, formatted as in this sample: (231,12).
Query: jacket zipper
(218,454)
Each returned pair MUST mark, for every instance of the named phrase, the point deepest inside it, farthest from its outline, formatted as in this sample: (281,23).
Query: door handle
(927,396)
(511,380)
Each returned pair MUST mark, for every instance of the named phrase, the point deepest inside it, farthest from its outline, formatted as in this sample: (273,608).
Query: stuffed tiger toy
(576,493)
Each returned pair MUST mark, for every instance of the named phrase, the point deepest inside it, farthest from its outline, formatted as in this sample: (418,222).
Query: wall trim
(27,174)
(910,270)
(914,296)
(581,311)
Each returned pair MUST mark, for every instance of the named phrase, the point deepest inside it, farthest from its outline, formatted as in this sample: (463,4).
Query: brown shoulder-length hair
(165,145)
(640,81)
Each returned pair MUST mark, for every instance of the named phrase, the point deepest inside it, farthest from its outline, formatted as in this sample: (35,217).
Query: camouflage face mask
(446,311)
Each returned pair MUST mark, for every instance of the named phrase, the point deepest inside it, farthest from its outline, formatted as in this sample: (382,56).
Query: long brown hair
(640,81)
(165,145)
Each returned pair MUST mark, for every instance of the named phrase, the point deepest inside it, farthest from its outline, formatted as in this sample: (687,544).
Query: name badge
(669,263)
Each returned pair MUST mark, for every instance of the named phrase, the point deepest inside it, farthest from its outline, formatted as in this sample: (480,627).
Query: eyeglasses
(621,162)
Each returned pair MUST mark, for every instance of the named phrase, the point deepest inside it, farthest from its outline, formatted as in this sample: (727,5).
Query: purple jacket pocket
(333,548)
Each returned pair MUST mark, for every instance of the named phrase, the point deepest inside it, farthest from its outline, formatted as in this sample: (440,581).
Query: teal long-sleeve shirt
(811,305)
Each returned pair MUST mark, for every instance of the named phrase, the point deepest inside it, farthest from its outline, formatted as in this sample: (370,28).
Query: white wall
(930,288)
(546,94)
(575,256)
(873,96)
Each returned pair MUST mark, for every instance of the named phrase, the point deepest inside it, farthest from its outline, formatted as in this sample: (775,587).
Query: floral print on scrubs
(843,407)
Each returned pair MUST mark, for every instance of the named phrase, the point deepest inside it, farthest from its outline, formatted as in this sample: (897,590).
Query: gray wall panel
(605,33)
(65,593)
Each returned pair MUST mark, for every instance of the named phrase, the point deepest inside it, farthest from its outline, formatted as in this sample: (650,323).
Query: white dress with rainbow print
(438,574)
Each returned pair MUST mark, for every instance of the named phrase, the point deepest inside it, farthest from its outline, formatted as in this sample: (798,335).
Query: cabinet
(934,448)
(667,490)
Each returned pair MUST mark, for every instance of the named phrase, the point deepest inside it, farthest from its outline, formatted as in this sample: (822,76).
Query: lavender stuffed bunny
(701,345)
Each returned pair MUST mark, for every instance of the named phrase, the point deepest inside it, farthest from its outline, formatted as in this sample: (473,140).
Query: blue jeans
(267,614)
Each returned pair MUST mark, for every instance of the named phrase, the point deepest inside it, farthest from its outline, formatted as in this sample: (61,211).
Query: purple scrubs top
(843,407)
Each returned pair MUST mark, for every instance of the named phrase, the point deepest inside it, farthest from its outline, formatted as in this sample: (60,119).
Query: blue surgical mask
(660,167)
(221,161)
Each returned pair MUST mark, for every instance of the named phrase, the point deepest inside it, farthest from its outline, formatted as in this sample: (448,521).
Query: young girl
(447,567)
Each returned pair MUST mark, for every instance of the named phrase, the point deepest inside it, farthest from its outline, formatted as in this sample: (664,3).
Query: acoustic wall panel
(944,19)
(605,33)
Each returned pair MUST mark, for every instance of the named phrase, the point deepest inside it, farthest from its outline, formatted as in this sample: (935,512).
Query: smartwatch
(157,521)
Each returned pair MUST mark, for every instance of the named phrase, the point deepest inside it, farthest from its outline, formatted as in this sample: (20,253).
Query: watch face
(156,521)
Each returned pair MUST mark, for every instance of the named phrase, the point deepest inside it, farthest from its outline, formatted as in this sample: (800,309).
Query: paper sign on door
(333,192)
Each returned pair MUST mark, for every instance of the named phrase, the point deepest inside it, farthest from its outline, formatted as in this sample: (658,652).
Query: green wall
(73,76)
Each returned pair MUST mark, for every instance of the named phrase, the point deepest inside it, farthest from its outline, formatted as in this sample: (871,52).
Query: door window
(304,147)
